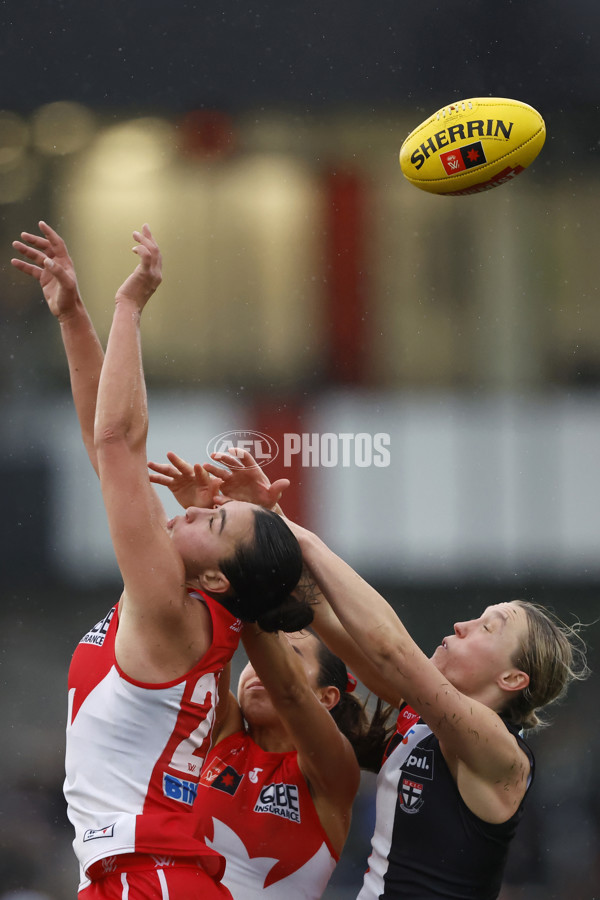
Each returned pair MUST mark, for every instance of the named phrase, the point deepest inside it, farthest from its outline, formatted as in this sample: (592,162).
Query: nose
(460,629)
(192,513)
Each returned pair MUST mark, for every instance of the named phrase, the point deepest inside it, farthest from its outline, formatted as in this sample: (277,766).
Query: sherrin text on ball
(472,146)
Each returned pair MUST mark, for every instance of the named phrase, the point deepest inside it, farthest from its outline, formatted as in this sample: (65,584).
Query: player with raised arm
(455,776)
(143,681)
(276,792)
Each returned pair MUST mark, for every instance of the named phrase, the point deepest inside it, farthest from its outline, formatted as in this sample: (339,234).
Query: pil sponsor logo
(280,800)
(419,764)
(461,131)
(464,158)
(98,633)
(222,777)
(179,789)
(93,834)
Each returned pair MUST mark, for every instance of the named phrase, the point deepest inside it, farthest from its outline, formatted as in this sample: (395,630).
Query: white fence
(489,486)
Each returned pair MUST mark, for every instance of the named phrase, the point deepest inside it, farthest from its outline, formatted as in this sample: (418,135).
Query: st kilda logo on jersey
(417,769)
(410,796)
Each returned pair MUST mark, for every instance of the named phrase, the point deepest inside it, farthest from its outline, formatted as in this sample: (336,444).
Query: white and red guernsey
(255,807)
(135,751)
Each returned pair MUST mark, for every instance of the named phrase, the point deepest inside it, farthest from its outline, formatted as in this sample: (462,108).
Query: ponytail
(263,572)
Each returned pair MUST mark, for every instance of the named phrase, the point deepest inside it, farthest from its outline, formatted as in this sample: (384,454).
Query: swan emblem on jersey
(255,871)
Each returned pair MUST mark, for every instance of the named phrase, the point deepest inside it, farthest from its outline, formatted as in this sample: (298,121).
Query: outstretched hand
(190,485)
(243,479)
(147,275)
(51,265)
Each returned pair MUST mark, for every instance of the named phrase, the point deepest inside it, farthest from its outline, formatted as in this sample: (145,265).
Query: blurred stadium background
(309,290)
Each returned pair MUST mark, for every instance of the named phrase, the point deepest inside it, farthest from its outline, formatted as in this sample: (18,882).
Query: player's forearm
(366,616)
(273,662)
(84,357)
(121,409)
(332,632)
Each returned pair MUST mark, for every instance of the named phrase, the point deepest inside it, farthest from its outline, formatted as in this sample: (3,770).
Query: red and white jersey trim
(135,751)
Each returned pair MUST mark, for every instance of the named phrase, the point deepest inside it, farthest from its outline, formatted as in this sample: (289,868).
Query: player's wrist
(73,314)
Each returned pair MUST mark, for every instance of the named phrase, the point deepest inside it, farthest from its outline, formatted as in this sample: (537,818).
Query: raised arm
(486,760)
(121,408)
(325,756)
(160,633)
(50,265)
(121,422)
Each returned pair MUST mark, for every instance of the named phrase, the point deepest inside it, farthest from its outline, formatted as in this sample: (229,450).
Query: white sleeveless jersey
(135,751)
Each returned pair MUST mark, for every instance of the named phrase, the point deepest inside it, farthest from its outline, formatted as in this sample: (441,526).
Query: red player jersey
(135,751)
(255,808)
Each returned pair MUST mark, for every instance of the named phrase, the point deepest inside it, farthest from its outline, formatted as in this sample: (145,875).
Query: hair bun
(291,615)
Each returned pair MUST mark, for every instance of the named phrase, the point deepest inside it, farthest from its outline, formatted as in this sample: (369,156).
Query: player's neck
(273,738)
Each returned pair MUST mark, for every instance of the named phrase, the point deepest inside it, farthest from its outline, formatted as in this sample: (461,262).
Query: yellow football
(472,146)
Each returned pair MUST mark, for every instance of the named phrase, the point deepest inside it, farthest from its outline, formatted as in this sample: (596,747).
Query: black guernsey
(427,843)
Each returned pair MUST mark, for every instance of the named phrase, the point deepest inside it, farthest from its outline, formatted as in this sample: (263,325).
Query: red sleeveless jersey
(255,808)
(135,751)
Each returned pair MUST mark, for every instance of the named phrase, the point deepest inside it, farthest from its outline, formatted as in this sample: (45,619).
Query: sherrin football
(472,146)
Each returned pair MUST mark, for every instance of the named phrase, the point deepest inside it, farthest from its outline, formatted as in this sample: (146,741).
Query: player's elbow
(383,645)
(107,434)
(391,652)
(112,433)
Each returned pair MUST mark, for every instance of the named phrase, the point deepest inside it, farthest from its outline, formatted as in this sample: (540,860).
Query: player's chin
(438,657)
(257,704)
